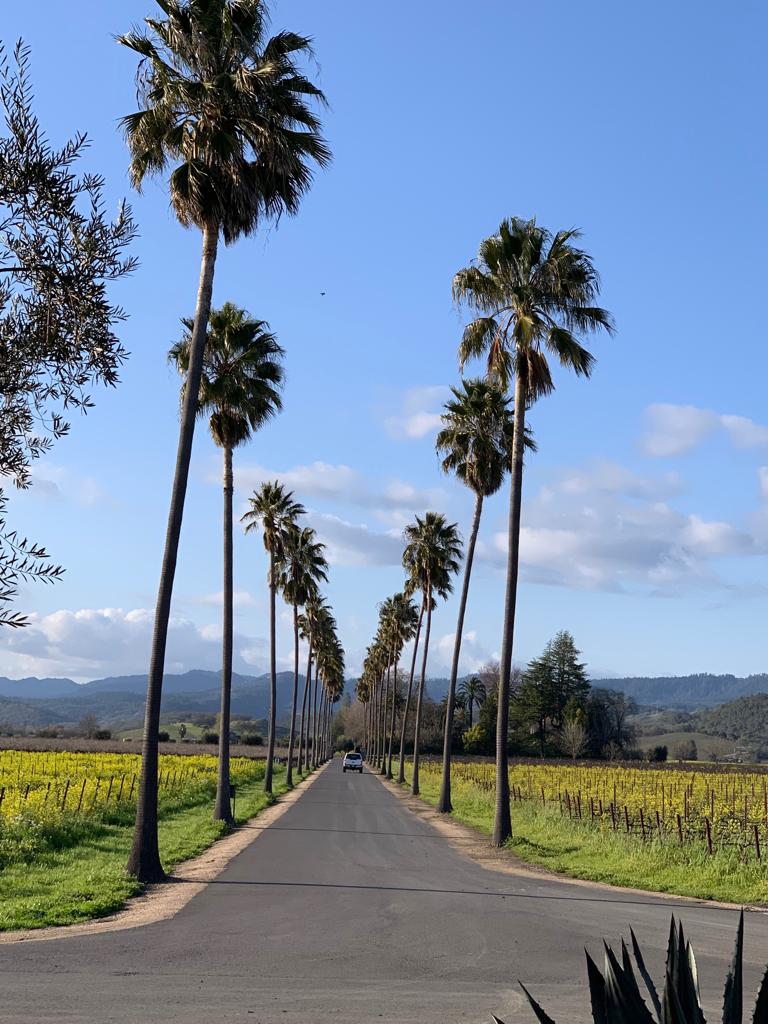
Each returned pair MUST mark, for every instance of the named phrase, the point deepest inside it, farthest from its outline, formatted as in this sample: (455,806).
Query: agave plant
(616,998)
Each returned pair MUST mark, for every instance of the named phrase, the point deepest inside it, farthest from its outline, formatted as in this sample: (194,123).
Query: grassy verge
(85,877)
(581,850)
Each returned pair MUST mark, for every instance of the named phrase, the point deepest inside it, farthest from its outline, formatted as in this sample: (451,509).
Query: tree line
(553,711)
(534,293)
(227,117)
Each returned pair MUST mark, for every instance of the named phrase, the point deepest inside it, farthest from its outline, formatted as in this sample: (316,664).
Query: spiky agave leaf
(645,974)
(623,1001)
(671,1009)
(733,996)
(596,991)
(541,1014)
(760,1015)
(681,975)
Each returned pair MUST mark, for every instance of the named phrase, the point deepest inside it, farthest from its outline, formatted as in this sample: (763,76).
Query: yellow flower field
(41,784)
(725,807)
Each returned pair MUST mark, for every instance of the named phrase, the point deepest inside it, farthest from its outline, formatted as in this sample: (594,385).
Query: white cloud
(611,538)
(93,642)
(762,479)
(356,544)
(677,429)
(343,485)
(745,433)
(473,654)
(240,599)
(62,484)
(420,413)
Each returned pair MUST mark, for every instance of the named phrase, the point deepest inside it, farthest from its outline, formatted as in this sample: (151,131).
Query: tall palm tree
(400,625)
(228,109)
(315,609)
(275,511)
(430,558)
(473,693)
(240,389)
(304,567)
(475,443)
(409,692)
(536,293)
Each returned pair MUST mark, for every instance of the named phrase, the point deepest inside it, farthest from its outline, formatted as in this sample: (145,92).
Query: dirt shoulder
(477,847)
(164,900)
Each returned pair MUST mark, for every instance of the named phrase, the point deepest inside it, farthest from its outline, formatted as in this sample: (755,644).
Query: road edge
(475,846)
(164,900)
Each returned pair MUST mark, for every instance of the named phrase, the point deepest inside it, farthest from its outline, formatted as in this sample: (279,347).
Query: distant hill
(689,692)
(744,720)
(39,702)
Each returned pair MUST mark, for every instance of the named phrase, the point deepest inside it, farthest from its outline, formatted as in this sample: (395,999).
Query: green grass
(708,747)
(581,850)
(87,879)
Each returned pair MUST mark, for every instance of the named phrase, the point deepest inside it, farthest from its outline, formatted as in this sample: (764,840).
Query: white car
(352,762)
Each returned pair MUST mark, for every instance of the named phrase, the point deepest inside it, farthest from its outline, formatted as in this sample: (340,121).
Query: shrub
(657,754)
(210,737)
(251,739)
(615,994)
(163,736)
(103,734)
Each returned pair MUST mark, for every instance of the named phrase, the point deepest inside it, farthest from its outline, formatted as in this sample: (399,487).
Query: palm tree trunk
(322,729)
(314,721)
(471,709)
(289,774)
(144,859)
(375,721)
(444,802)
(222,810)
(502,825)
(382,720)
(383,767)
(304,739)
(392,721)
(272,676)
(419,705)
(404,726)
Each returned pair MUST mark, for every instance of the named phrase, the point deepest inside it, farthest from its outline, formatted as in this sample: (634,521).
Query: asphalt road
(351,909)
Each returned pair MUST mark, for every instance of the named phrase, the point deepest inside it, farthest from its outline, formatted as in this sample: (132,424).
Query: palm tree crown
(431,555)
(273,508)
(303,565)
(537,293)
(476,438)
(228,107)
(242,374)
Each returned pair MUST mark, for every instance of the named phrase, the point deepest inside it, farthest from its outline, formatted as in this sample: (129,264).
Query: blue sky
(646,509)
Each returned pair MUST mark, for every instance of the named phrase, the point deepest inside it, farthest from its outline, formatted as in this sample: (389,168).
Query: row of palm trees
(227,113)
(432,555)
(535,295)
(240,386)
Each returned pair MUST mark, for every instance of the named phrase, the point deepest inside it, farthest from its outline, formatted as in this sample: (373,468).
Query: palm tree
(472,693)
(400,627)
(475,442)
(431,557)
(228,109)
(535,292)
(239,388)
(304,566)
(409,692)
(272,508)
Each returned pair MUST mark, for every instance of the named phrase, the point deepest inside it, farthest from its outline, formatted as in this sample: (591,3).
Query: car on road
(353,762)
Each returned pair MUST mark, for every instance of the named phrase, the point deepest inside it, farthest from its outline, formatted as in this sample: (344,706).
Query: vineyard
(66,821)
(726,808)
(696,831)
(44,784)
